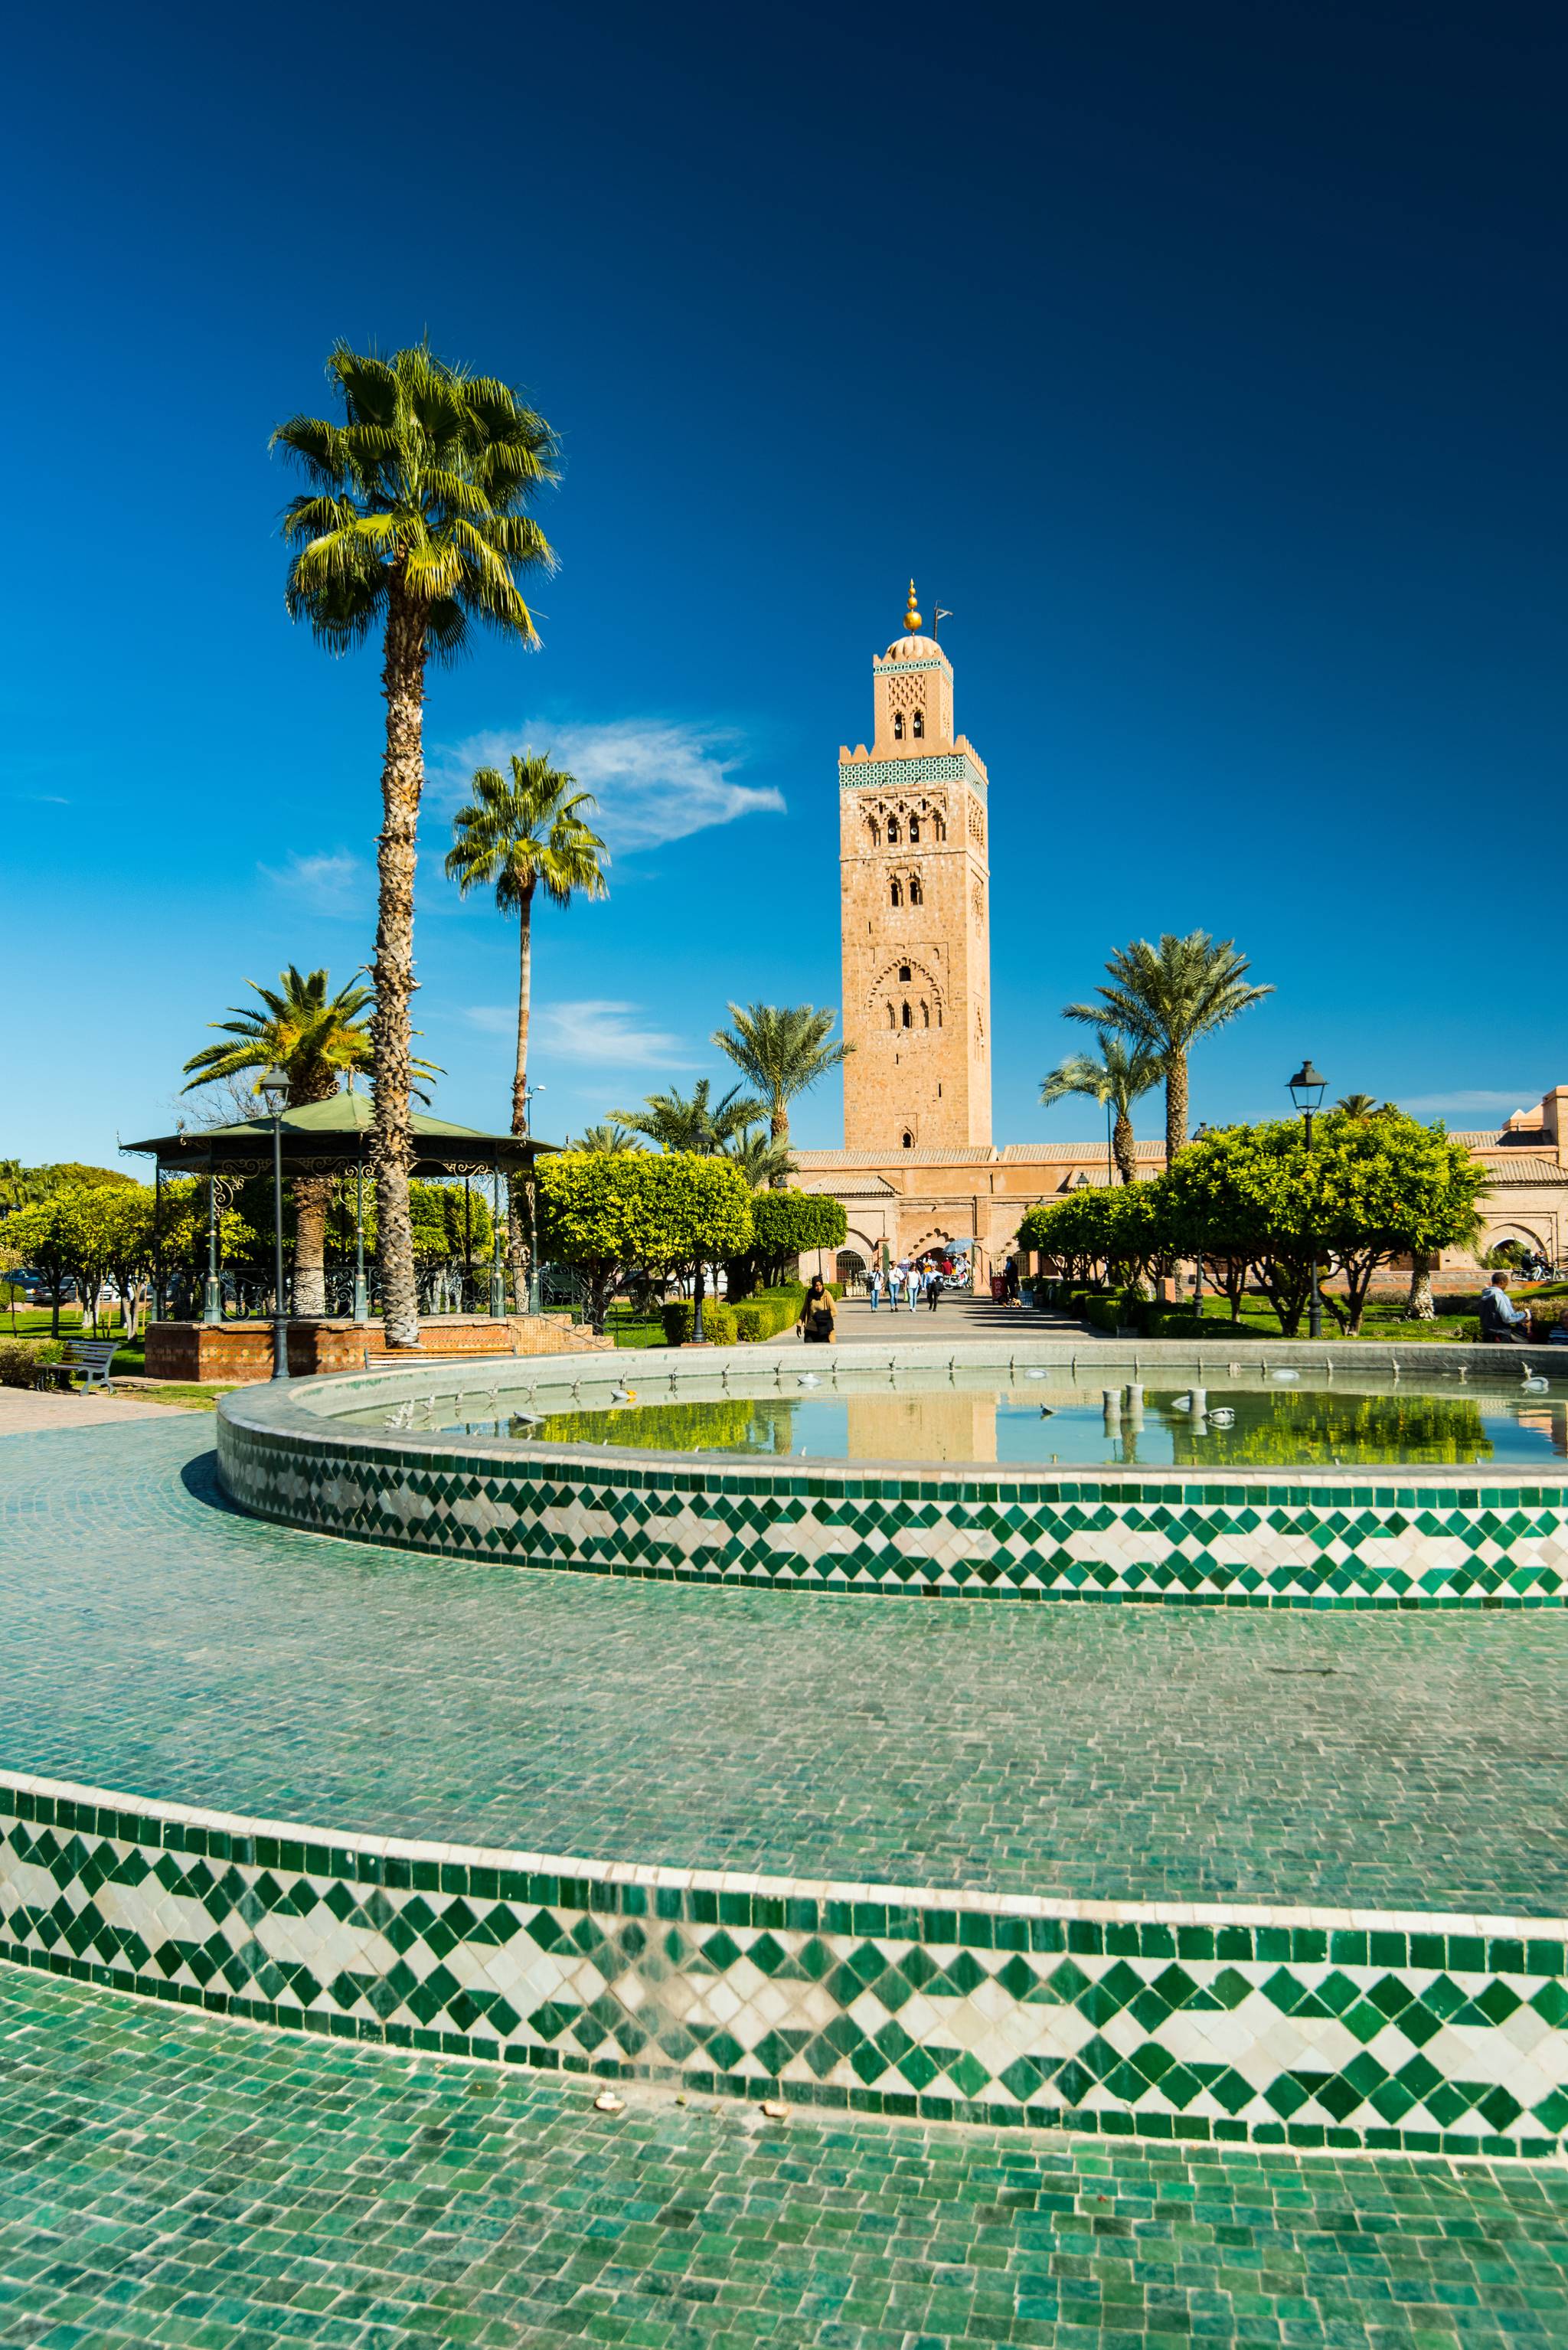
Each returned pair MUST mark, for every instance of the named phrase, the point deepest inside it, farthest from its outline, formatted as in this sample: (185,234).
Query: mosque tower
(915,913)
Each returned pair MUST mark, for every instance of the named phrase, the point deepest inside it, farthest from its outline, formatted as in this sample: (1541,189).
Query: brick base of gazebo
(241,1352)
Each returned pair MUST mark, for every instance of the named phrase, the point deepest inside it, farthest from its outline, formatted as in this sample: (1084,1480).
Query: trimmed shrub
(718,1321)
(23,1364)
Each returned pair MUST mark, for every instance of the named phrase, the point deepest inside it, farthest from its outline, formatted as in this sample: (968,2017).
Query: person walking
(816,1324)
(895,1285)
(933,1287)
(1014,1287)
(913,1287)
(874,1283)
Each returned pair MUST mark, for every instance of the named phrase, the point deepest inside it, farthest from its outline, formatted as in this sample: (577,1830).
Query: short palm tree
(1168,996)
(766,1164)
(319,1040)
(783,1050)
(413,522)
(694,1122)
(609,1137)
(1124,1072)
(1357,1106)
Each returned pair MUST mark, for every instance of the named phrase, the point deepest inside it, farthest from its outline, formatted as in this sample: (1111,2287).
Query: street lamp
(1199,1134)
(1306,1092)
(213,1304)
(273,1087)
(497,1276)
(535,1290)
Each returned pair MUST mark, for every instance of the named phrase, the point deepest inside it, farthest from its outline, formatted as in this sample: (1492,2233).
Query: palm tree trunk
(778,1131)
(1123,1145)
(1419,1305)
(312,1197)
(515,1194)
(1175,1107)
(392,1134)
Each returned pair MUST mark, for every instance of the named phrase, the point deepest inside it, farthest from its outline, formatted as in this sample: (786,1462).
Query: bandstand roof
(333,1137)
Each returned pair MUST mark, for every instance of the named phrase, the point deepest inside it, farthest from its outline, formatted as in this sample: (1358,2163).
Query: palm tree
(413,522)
(520,837)
(677,1122)
(609,1137)
(766,1164)
(1359,1106)
(1168,996)
(317,1039)
(1125,1071)
(782,1049)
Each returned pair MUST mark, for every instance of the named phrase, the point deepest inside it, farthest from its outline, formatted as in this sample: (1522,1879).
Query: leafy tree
(414,521)
(520,837)
(71,1175)
(317,1039)
(1169,995)
(1099,1235)
(609,1211)
(782,1050)
(44,1237)
(693,1122)
(784,1226)
(1124,1073)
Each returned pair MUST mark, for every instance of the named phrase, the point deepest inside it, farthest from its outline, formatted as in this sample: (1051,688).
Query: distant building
(919,1170)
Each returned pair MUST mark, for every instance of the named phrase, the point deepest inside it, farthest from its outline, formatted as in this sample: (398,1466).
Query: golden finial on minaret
(912,616)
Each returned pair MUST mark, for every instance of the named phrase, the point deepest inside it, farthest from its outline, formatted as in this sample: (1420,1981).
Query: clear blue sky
(1207,361)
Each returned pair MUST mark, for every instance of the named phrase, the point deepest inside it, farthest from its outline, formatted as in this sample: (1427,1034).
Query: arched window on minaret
(892,832)
(909,1139)
(897,725)
(908,1021)
(917,725)
(875,829)
(892,1017)
(914,829)
(898,893)
(905,974)
(917,895)
(925,1015)
(942,829)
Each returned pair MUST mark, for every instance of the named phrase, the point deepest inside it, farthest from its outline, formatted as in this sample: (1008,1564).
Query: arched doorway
(850,1269)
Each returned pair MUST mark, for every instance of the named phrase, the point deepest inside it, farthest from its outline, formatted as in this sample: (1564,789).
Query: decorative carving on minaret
(913,876)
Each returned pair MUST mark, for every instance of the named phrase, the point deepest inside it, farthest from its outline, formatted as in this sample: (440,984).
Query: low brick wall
(1286,2027)
(241,1351)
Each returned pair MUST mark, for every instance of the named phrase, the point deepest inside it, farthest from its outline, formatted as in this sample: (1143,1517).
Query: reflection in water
(931,1418)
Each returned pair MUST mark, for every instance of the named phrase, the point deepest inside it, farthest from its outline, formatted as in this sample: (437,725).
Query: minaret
(915,885)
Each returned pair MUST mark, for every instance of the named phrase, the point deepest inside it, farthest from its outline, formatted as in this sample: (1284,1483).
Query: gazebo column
(497,1276)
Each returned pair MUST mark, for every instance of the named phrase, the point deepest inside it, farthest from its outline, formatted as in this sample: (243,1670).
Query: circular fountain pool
(1043,1470)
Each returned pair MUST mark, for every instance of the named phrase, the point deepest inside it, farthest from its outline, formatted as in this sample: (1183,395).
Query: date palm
(693,1122)
(1124,1072)
(783,1050)
(766,1164)
(1359,1106)
(1168,996)
(319,1040)
(520,834)
(609,1137)
(414,524)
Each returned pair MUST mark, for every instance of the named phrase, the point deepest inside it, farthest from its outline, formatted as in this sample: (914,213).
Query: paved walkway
(158,1642)
(26,1411)
(170,2180)
(956,1318)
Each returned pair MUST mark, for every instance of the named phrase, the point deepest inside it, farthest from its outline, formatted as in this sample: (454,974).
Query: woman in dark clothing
(816,1324)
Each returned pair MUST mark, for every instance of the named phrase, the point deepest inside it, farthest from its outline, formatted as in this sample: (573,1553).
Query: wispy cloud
(327,883)
(654,781)
(591,1029)
(1524,1099)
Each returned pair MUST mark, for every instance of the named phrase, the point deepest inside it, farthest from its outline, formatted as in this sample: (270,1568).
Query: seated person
(1504,1323)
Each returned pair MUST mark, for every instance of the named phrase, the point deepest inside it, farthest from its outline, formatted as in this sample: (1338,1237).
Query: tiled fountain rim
(307,1408)
(346,1852)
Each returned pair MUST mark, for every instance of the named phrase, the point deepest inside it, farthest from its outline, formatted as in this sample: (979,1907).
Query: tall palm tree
(413,522)
(521,836)
(1125,1071)
(695,1122)
(783,1050)
(317,1040)
(1168,996)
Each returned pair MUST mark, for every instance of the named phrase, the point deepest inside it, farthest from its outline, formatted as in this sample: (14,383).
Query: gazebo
(324,1138)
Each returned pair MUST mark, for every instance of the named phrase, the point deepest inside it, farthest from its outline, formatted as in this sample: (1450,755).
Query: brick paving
(170,2180)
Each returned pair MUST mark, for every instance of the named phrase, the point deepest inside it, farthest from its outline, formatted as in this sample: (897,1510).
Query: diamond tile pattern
(1285,2034)
(1323,1545)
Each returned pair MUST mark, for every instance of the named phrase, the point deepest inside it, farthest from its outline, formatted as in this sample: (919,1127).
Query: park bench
(92,1357)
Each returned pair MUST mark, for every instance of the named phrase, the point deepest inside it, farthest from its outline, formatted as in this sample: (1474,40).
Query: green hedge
(718,1321)
(22,1365)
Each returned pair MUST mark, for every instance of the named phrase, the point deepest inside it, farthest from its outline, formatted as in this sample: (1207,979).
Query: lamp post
(497,1276)
(361,1292)
(273,1088)
(212,1305)
(535,1291)
(1199,1134)
(1306,1092)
